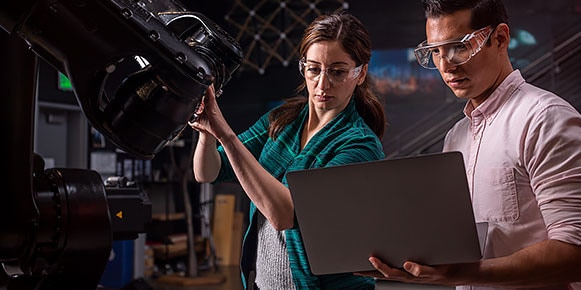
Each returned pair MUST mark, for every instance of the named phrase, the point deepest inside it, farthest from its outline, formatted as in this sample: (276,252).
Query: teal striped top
(346,139)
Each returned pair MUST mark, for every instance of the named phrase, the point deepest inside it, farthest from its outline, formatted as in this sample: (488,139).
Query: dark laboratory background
(546,47)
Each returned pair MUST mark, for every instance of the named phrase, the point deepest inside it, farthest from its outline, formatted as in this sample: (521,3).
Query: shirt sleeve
(553,160)
(253,139)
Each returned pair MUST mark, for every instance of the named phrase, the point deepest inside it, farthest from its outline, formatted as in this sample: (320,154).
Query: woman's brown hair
(355,40)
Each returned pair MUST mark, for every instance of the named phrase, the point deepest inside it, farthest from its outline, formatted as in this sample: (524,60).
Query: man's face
(475,79)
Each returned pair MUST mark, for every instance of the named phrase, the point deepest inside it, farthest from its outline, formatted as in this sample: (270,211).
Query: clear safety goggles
(335,74)
(455,52)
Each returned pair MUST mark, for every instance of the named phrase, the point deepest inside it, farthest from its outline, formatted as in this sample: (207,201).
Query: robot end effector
(138,68)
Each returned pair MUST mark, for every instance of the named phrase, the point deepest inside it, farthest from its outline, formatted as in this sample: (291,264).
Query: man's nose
(445,63)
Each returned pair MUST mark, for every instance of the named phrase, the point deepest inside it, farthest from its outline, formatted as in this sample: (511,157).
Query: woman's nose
(323,80)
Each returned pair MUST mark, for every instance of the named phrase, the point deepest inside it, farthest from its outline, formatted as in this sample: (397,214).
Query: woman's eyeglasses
(336,74)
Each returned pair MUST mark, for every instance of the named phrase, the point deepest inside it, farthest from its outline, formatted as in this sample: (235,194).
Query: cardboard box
(222,225)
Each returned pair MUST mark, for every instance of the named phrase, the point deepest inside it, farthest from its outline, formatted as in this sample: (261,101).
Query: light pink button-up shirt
(522,151)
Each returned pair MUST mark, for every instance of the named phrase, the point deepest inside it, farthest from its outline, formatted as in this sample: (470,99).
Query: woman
(341,121)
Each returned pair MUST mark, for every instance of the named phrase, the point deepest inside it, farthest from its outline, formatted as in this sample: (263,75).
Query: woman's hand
(209,117)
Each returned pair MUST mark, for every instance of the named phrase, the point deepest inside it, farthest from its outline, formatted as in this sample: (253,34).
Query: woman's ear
(363,74)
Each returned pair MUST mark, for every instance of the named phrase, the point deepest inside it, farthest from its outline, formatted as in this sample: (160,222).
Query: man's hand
(411,273)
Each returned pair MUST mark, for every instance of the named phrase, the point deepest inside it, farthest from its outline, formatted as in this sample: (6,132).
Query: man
(522,151)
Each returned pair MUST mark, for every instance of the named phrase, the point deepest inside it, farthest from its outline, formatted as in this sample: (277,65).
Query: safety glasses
(455,52)
(335,74)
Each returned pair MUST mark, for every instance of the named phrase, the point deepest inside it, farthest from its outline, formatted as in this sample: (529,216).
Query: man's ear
(502,35)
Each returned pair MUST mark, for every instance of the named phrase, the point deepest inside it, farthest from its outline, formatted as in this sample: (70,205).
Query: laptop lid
(413,208)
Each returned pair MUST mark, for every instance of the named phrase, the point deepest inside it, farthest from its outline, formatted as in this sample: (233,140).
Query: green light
(64,84)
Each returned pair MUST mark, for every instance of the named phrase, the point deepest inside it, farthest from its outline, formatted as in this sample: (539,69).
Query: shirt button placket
(474,147)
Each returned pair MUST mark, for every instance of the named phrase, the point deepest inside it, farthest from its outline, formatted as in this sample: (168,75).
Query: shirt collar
(491,106)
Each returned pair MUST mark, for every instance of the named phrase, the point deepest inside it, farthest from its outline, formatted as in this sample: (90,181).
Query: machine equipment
(139,69)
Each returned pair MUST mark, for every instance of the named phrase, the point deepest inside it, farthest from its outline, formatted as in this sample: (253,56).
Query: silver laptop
(413,208)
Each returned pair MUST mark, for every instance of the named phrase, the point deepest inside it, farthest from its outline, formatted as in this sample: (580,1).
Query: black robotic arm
(139,70)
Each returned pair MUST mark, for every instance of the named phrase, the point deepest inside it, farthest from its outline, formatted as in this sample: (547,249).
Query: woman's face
(331,76)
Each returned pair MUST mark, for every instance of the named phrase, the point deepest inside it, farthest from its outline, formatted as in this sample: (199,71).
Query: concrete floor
(225,278)
(232,282)
(229,278)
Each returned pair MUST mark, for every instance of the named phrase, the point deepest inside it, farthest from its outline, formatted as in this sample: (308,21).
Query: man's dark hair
(484,12)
